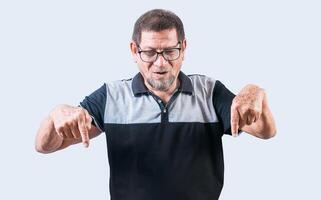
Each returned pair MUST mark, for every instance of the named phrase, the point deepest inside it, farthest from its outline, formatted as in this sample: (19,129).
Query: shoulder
(119,87)
(200,81)
(119,83)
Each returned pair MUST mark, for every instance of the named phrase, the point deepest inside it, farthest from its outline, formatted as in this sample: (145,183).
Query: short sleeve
(95,104)
(222,100)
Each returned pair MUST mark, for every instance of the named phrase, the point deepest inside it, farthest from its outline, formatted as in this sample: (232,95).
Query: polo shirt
(159,151)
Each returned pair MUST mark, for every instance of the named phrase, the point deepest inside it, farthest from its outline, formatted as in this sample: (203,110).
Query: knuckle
(235,105)
(76,135)
(67,123)
(252,110)
(79,112)
(82,111)
(236,100)
(247,108)
(60,129)
(255,112)
(79,109)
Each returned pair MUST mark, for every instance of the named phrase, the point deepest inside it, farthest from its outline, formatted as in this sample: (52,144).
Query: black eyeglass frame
(162,52)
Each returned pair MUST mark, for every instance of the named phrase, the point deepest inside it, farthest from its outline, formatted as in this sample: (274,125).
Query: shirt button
(164,111)
(159,101)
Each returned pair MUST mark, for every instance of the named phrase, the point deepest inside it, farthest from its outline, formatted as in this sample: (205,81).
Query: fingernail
(86,144)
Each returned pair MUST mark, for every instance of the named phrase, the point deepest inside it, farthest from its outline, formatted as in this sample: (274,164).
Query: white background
(54,52)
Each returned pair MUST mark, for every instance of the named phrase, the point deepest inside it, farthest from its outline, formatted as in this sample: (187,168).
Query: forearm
(47,140)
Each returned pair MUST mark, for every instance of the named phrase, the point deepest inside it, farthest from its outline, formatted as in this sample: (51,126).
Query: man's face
(161,73)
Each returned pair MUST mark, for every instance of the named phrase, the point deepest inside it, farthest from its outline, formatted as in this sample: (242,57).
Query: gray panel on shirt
(122,107)
(198,107)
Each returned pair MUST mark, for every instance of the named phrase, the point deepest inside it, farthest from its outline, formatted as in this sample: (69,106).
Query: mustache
(160,70)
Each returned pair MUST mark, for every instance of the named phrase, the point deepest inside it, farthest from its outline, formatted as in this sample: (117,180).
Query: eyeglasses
(168,54)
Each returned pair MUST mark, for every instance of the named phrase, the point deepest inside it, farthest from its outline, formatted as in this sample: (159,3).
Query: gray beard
(161,85)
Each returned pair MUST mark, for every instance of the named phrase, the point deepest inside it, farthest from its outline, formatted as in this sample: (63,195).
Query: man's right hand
(72,122)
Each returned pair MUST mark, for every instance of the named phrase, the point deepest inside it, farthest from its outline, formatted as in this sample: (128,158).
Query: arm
(65,125)
(250,113)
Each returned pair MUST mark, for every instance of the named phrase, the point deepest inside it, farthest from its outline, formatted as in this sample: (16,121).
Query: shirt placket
(164,108)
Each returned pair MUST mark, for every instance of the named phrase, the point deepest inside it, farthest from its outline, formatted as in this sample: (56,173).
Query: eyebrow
(152,48)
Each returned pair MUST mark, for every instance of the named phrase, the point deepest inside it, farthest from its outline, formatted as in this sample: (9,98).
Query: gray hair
(158,20)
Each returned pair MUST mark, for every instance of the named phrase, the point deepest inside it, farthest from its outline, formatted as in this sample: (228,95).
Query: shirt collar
(138,85)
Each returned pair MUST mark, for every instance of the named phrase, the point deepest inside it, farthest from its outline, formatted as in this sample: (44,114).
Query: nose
(160,61)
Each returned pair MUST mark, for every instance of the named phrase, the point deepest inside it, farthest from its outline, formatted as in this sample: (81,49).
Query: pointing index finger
(88,120)
(83,129)
(234,121)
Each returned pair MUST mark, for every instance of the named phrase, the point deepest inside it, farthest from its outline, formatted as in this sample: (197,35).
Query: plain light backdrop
(54,52)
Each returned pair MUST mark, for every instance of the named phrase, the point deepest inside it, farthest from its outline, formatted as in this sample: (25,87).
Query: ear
(184,45)
(133,49)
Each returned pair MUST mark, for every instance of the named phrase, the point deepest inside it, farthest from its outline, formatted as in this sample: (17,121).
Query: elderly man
(163,127)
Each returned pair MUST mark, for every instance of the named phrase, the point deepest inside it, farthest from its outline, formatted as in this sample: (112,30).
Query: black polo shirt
(163,151)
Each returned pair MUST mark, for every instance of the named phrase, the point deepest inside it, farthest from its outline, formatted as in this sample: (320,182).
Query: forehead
(159,39)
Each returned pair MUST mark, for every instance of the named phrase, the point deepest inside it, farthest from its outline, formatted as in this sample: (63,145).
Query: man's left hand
(246,107)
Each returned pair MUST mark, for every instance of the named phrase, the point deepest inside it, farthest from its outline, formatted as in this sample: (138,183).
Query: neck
(165,95)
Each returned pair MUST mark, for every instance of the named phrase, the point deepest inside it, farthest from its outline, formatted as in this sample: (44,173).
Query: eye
(149,53)
(171,52)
